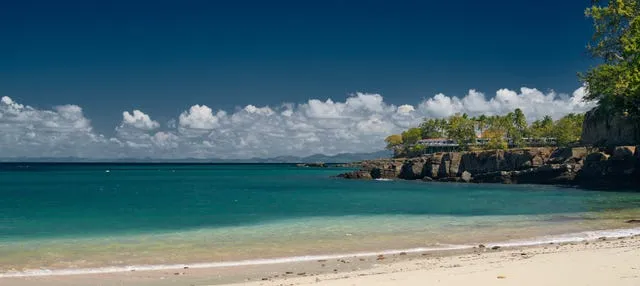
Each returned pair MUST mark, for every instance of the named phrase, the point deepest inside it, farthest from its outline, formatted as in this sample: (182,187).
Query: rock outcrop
(604,129)
(617,167)
(377,169)
(312,165)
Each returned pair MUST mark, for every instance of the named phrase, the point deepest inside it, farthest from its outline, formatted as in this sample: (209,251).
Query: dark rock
(623,153)
(597,157)
(432,166)
(413,169)
(547,174)
(362,175)
(562,155)
(503,177)
(566,166)
(376,173)
(603,128)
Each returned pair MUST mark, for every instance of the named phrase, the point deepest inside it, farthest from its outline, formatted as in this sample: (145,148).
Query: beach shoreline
(336,268)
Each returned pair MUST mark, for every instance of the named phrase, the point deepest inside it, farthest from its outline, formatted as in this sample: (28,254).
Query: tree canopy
(412,135)
(499,132)
(615,83)
(393,141)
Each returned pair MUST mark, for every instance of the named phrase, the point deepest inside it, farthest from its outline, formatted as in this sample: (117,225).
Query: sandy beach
(610,261)
(597,263)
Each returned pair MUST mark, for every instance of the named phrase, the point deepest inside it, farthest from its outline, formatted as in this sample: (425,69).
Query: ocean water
(61,217)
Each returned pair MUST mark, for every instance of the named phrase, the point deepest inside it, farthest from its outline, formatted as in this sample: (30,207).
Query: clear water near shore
(79,216)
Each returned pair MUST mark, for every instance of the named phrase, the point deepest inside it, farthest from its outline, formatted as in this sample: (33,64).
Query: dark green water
(66,206)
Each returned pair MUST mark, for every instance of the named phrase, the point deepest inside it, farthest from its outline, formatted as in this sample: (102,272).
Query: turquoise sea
(57,217)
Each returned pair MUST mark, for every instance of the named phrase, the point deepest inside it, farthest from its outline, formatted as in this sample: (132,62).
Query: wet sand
(611,261)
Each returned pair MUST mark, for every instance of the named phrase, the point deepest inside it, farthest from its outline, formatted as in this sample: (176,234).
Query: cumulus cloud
(138,119)
(199,117)
(357,124)
(30,132)
(534,103)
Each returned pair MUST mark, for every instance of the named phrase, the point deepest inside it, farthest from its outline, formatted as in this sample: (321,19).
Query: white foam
(570,237)
(563,238)
(115,269)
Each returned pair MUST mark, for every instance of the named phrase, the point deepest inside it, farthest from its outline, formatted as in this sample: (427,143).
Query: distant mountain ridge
(338,158)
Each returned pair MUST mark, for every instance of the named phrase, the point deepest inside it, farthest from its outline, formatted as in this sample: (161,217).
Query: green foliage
(542,128)
(520,127)
(568,129)
(411,136)
(461,129)
(496,138)
(416,149)
(616,42)
(393,141)
(434,128)
(519,120)
(499,130)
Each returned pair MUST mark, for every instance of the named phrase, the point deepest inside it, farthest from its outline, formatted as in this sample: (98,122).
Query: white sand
(603,263)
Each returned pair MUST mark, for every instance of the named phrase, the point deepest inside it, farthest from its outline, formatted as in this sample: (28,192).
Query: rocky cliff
(617,167)
(602,128)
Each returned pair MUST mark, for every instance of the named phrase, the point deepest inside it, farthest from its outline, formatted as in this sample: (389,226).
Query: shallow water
(62,216)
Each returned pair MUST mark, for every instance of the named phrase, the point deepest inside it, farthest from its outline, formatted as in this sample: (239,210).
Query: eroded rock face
(412,169)
(360,175)
(561,155)
(601,128)
(623,152)
(608,167)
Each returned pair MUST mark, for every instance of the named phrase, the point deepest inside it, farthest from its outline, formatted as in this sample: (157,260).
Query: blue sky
(164,57)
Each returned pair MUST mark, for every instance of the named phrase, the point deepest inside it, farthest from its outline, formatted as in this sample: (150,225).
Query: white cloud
(199,117)
(534,103)
(30,132)
(138,119)
(357,124)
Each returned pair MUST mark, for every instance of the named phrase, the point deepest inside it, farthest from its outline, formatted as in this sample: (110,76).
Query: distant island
(317,158)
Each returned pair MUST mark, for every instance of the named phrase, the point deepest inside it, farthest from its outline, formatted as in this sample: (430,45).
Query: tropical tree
(411,136)
(520,121)
(482,123)
(615,83)
(568,129)
(496,137)
(542,128)
(393,141)
(518,127)
(433,128)
(461,129)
